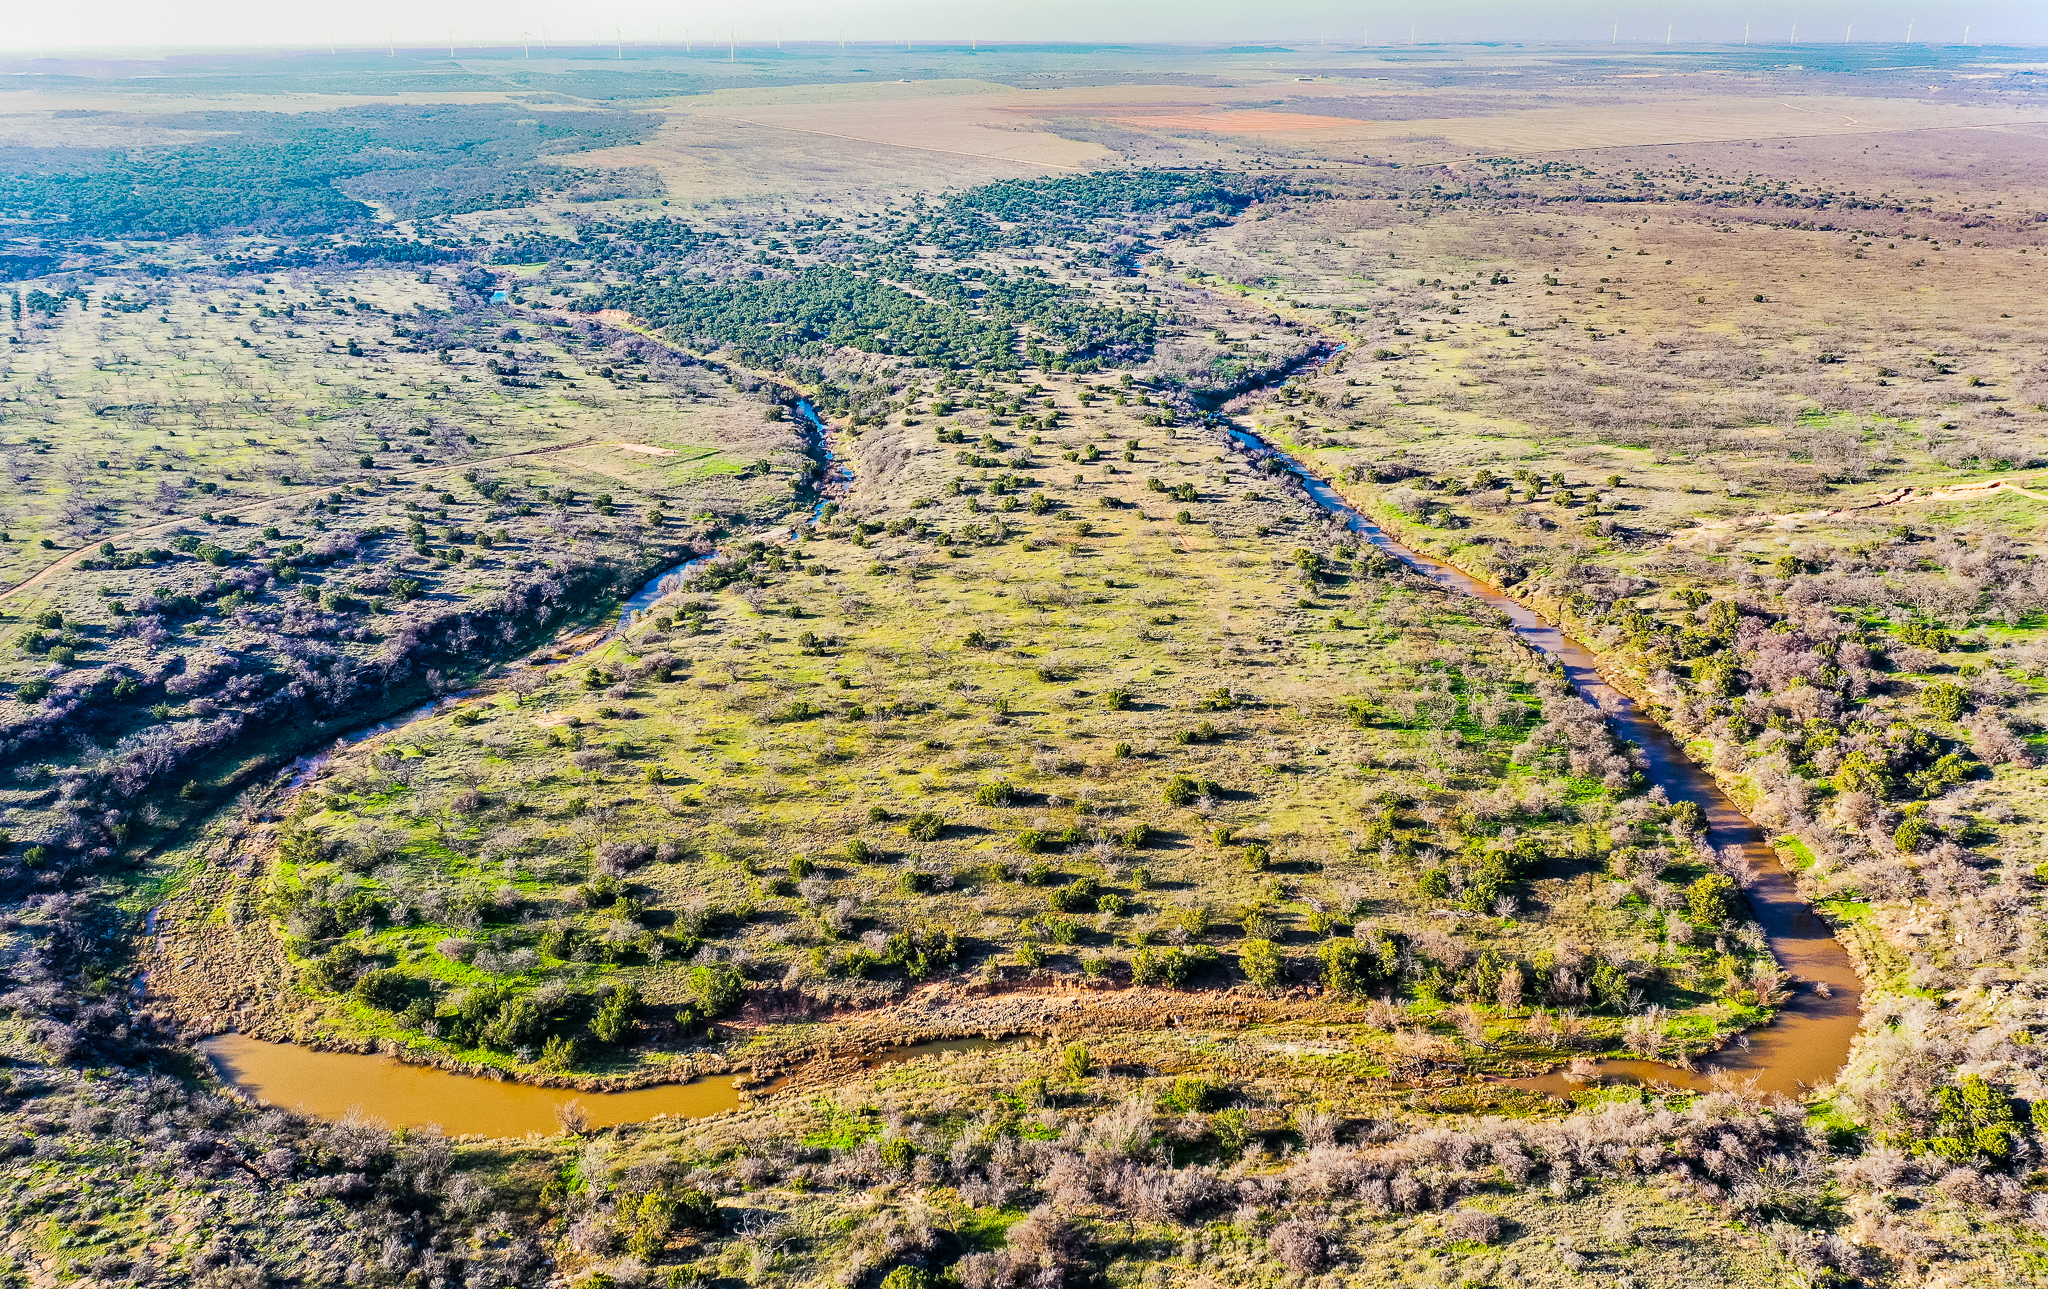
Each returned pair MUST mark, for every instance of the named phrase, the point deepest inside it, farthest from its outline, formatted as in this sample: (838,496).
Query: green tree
(898,1153)
(1974,1121)
(615,1021)
(1261,963)
(1711,899)
(714,988)
(1946,700)
(1862,772)
(1075,1062)
(1355,967)
(653,1220)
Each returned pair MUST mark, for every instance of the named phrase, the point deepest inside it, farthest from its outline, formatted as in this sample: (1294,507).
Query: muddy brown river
(1803,1047)
(330,1084)
(1809,1040)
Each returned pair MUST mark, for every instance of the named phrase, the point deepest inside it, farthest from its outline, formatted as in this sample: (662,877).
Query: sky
(75,26)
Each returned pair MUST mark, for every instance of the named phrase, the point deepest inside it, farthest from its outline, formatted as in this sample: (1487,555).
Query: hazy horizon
(128,27)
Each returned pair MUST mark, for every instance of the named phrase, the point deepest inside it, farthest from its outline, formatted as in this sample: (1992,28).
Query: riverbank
(1812,1036)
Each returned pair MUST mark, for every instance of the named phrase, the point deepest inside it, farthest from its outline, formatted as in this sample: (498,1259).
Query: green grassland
(1105,745)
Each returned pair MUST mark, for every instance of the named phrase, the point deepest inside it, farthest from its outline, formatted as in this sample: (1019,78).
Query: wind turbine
(1850,32)
(619,44)
(1909,31)
(526,43)
(1614,36)
(1745,33)
(1667,32)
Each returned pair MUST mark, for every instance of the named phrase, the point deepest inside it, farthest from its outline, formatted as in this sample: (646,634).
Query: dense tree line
(968,319)
(281,173)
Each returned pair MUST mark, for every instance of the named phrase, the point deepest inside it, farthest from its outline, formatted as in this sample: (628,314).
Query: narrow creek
(331,1084)
(1804,1046)
(1808,1041)
(832,481)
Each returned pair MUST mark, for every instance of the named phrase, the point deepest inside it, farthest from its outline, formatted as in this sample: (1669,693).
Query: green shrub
(897,1156)
(923,950)
(615,1020)
(714,988)
(1183,790)
(1689,815)
(1945,700)
(1171,967)
(999,793)
(1077,896)
(560,1052)
(518,1022)
(382,987)
(1711,900)
(1076,1062)
(1190,1094)
(1974,1122)
(1260,961)
(338,969)
(1355,967)
(1060,928)
(1136,837)
(925,827)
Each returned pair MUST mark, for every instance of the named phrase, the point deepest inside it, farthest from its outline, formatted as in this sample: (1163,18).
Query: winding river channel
(1804,1046)
(1809,1039)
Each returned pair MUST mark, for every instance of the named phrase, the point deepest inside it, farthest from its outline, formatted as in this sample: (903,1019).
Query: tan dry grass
(1635,122)
(1246,122)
